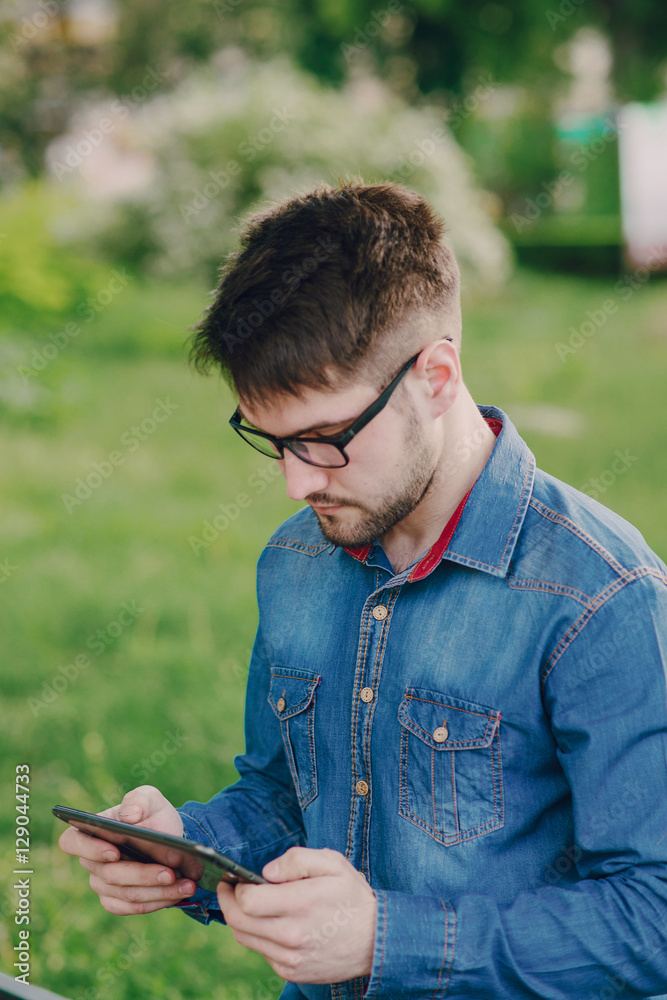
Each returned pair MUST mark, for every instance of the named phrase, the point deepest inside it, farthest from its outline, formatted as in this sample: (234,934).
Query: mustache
(327,501)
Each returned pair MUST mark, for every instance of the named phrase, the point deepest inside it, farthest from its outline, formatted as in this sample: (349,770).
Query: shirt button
(367,694)
(380,612)
(362,787)
(281,704)
(441,733)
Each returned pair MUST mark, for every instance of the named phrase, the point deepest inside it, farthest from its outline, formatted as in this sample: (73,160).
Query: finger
(122,908)
(138,893)
(139,803)
(303,862)
(73,841)
(133,873)
(276,954)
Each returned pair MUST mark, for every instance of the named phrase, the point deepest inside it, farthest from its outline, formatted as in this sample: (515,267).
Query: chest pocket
(450,770)
(292,698)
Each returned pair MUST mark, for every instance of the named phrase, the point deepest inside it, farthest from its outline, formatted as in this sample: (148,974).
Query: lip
(325,510)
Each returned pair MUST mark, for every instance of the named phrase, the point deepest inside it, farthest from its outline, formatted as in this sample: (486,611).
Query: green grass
(180,667)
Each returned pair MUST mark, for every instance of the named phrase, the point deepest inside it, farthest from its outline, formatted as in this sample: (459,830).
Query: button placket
(370,654)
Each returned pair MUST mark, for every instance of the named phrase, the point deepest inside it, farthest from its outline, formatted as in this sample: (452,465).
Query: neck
(467,442)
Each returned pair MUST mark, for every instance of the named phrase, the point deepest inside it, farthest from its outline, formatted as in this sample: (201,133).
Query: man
(456,715)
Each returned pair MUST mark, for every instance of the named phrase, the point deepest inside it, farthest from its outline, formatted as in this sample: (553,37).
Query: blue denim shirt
(486,740)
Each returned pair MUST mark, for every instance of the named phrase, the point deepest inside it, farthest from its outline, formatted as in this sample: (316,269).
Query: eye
(330,432)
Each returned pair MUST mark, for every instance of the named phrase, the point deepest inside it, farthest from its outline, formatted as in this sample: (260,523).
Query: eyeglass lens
(325,455)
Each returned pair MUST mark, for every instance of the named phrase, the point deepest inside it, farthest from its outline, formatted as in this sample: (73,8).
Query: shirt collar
(483,530)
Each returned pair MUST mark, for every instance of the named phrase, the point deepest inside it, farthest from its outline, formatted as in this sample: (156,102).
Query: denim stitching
(444,956)
(497,782)
(435,812)
(553,515)
(359,671)
(449,840)
(311,740)
(455,800)
(379,656)
(297,546)
(548,587)
(529,475)
(467,561)
(460,744)
(639,573)
(304,798)
(451,964)
(204,831)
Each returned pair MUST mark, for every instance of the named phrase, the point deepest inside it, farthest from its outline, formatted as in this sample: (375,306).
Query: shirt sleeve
(259,817)
(604,935)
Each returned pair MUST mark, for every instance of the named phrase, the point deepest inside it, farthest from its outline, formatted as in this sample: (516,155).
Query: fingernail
(187,888)
(110,856)
(130,813)
(164,878)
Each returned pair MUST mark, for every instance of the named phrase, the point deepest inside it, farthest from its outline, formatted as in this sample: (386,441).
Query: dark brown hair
(341,284)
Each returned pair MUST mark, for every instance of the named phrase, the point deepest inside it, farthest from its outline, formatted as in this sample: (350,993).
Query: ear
(439,368)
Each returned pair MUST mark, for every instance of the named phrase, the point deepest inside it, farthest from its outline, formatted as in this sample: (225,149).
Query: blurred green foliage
(80,56)
(41,276)
(180,668)
(241,134)
(428,46)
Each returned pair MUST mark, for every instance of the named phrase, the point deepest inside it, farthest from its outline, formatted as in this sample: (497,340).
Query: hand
(130,886)
(315,925)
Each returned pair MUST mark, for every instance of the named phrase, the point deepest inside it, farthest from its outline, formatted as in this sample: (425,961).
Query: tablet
(203,864)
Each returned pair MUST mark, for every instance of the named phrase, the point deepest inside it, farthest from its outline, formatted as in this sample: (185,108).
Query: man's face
(391,465)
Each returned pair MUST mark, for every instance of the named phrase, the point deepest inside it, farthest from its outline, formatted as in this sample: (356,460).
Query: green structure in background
(574,221)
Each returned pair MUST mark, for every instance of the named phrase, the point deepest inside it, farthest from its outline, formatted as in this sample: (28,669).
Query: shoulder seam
(639,573)
(569,525)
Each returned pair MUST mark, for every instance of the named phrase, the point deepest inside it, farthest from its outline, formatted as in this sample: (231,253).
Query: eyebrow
(307,430)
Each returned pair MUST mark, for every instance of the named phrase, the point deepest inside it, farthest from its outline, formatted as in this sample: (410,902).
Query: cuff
(414,947)
(203,904)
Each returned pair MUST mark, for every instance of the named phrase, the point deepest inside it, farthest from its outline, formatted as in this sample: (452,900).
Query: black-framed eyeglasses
(325,452)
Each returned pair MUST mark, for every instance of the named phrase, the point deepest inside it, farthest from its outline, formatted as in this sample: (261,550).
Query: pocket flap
(466,724)
(294,688)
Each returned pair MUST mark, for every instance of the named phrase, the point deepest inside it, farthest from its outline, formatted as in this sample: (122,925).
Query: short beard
(373,524)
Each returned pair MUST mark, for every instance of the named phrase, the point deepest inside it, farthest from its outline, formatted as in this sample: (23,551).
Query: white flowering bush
(240,135)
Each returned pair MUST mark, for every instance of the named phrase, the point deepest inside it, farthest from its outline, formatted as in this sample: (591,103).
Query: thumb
(136,805)
(304,862)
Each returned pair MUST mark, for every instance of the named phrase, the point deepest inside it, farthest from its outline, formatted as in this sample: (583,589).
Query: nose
(301,478)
